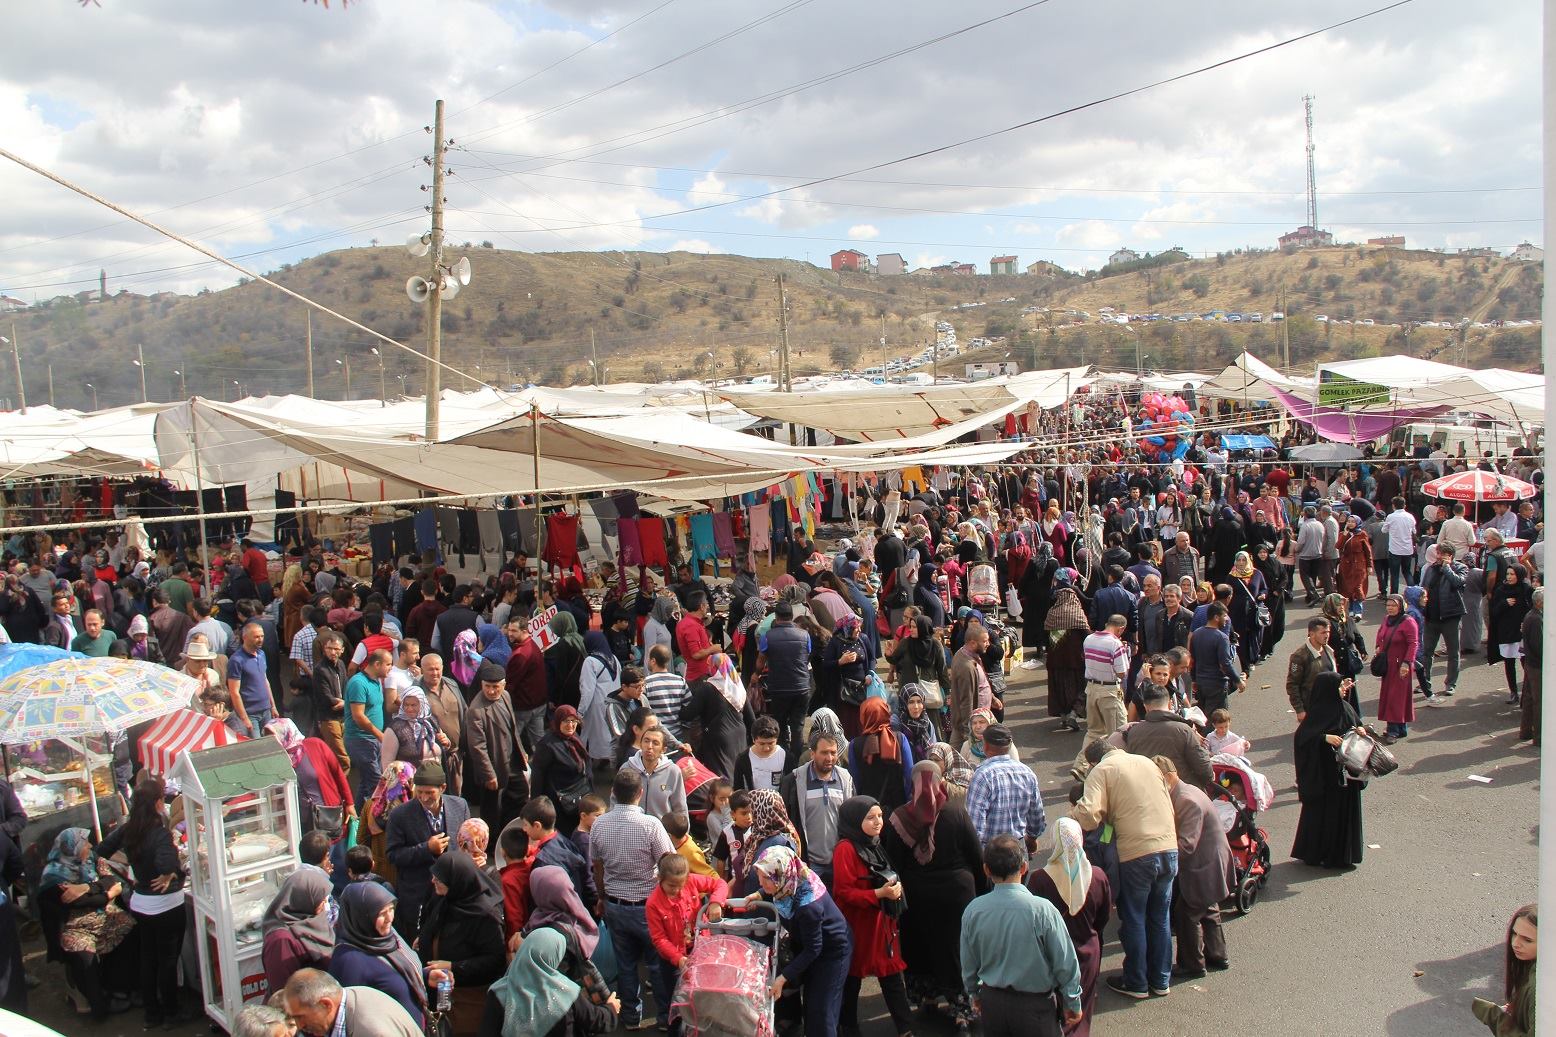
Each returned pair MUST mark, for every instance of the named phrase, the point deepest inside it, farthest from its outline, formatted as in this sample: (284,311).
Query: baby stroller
(723,988)
(983,589)
(1240,793)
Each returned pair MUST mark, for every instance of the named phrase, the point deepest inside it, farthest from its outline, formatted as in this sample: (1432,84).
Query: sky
(275,130)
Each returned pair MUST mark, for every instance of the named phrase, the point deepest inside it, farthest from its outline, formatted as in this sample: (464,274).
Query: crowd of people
(507,836)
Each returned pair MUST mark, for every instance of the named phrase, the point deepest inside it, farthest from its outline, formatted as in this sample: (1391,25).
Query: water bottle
(445,993)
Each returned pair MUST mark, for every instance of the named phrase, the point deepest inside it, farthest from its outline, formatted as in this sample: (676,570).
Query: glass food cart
(243,832)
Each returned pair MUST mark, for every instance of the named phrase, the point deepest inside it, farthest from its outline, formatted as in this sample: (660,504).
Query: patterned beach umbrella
(74,697)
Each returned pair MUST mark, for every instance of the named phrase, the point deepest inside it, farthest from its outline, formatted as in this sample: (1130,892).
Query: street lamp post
(140,362)
(89,385)
(183,391)
(383,392)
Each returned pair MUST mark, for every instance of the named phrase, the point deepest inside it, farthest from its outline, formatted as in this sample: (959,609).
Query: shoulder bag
(1380,658)
(1261,611)
(1362,756)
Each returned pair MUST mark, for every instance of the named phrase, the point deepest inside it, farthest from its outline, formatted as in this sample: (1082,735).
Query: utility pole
(16,366)
(435,297)
(883,347)
(383,389)
(140,362)
(308,344)
(785,383)
(346,366)
(51,385)
(1285,329)
(594,360)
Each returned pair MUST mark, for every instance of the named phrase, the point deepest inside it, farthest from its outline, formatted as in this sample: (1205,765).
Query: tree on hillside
(845,354)
(742,358)
(653,371)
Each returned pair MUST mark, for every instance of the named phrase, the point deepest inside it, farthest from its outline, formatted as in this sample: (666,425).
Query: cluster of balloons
(1166,426)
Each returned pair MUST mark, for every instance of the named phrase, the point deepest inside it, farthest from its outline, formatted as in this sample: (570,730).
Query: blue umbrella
(14,657)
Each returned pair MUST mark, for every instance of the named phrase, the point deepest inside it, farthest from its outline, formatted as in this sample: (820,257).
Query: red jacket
(515,894)
(333,787)
(877,947)
(670,921)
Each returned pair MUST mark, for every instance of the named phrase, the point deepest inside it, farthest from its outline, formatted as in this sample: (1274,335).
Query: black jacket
(156,856)
(1444,586)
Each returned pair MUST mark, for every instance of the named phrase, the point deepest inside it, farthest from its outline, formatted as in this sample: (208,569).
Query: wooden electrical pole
(16,366)
(140,362)
(51,385)
(435,296)
(1285,330)
(786,383)
(308,345)
(594,360)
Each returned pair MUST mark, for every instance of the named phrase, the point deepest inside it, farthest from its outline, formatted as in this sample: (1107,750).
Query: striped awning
(179,730)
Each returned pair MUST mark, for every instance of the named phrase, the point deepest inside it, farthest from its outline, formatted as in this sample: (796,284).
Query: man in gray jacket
(1164,733)
(813,795)
(1443,604)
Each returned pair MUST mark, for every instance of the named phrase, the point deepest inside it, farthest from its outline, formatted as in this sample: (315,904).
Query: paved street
(1397,947)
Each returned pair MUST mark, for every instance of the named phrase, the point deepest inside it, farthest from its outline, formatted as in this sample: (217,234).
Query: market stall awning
(179,730)
(1248,442)
(892,412)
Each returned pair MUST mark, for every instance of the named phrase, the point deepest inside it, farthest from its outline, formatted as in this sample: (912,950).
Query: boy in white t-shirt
(761,766)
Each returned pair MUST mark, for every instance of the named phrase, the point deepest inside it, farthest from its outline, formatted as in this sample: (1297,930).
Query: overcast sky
(277,130)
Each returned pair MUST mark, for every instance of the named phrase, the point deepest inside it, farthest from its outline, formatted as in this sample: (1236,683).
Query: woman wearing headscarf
(1035,587)
(870,896)
(846,663)
(659,629)
(1329,828)
(1345,638)
(565,659)
(559,768)
(827,602)
(1055,530)
(394,788)
(879,758)
(956,772)
(474,836)
(494,644)
(915,722)
(1275,594)
(412,734)
(932,845)
(744,641)
(919,657)
(462,925)
(322,787)
(717,705)
(1398,640)
(295,596)
(536,998)
(1081,894)
(1066,628)
(1356,561)
(85,928)
(296,927)
(554,904)
(598,679)
(1510,603)
(370,953)
(1226,540)
(1248,593)
(770,826)
(820,931)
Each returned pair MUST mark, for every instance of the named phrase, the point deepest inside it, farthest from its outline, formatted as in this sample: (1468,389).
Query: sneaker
(1030,664)
(1163,992)
(1075,772)
(1512,700)
(1447,693)
(1117,985)
(1436,700)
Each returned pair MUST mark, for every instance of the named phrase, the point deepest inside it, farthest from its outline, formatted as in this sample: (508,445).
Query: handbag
(1380,658)
(852,692)
(329,820)
(1261,611)
(934,697)
(884,877)
(1363,756)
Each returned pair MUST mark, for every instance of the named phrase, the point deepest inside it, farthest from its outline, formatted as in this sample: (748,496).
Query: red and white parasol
(179,730)
(1477,485)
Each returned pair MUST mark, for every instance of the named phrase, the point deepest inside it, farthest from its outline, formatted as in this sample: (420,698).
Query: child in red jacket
(672,915)
(514,878)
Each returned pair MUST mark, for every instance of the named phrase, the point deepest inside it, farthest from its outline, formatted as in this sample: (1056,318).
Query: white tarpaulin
(894,412)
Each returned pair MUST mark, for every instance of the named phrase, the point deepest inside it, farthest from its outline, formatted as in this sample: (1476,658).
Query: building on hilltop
(890,264)
(1306,237)
(10,305)
(954,267)
(1388,241)
(1123,255)
(1003,265)
(851,259)
(1527,253)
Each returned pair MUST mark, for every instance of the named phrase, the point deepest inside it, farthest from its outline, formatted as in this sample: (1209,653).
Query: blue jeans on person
(1400,567)
(669,976)
(1145,923)
(258,718)
(628,924)
(366,766)
(1397,730)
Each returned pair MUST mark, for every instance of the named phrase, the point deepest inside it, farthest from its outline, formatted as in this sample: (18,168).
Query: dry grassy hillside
(530,317)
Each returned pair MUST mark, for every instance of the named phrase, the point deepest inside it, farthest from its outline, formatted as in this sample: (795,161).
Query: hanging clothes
(703,545)
(508,522)
(380,537)
(469,531)
(651,536)
(626,502)
(562,543)
(629,536)
(778,515)
(724,534)
(761,533)
(402,534)
(491,540)
(426,521)
(526,523)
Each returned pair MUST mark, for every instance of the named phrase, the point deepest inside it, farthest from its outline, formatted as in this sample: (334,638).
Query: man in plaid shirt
(1003,797)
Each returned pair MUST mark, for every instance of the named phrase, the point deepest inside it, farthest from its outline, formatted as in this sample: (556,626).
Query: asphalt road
(1397,947)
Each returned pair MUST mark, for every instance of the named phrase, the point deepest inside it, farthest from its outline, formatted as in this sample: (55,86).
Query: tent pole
(91,795)
(540,527)
(194,449)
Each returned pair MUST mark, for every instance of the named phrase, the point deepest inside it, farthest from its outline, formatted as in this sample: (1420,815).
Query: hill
(537,316)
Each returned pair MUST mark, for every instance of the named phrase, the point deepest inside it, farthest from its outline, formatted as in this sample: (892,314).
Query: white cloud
(863,232)
(1089,234)
(708,190)
(696,245)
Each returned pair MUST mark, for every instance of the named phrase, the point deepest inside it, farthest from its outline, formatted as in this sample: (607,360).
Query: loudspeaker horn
(461,270)
(450,288)
(419,244)
(418,289)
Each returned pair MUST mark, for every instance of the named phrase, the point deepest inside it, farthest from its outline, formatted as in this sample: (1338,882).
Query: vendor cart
(242,834)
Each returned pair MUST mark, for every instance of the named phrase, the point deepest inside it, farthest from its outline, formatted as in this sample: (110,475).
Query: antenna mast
(1312,181)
